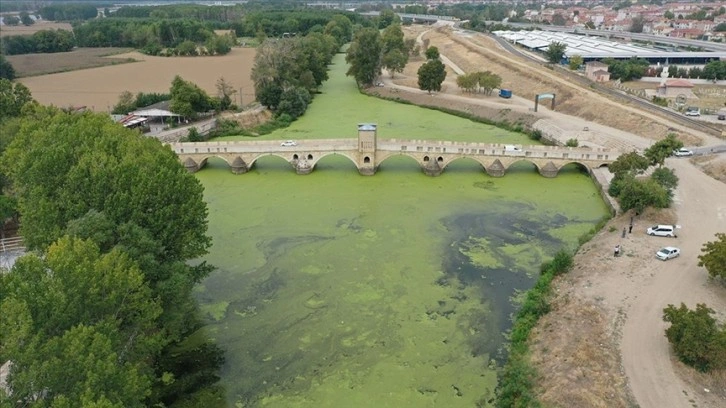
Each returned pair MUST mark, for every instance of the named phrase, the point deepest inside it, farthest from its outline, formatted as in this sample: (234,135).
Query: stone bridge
(368,152)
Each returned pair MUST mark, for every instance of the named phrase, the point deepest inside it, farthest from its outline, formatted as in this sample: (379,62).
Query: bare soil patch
(7,31)
(81,58)
(99,88)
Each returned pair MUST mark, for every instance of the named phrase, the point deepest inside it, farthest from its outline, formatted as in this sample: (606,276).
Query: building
(671,88)
(597,71)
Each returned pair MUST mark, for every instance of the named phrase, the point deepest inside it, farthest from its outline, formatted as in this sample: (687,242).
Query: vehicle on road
(682,152)
(288,143)
(721,115)
(505,93)
(693,111)
(663,230)
(667,253)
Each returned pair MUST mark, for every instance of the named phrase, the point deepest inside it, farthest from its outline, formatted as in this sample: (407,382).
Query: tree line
(44,41)
(68,12)
(99,313)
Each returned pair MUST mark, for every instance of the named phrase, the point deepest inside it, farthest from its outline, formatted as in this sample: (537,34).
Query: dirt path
(603,344)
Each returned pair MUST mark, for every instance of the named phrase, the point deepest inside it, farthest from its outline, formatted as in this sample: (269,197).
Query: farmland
(38,26)
(98,88)
(40,64)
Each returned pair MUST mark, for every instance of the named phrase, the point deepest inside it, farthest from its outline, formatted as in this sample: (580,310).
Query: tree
(669,15)
(575,62)
(187,99)
(640,194)
(225,92)
(558,20)
(636,24)
(81,327)
(126,103)
(386,18)
(431,75)
(555,52)
(64,165)
(13,96)
(467,82)
(294,102)
(695,336)
(488,81)
(6,69)
(713,256)
(219,44)
(721,27)
(590,25)
(432,53)
(660,150)
(364,56)
(394,61)
(665,177)
(26,19)
(631,163)
(11,20)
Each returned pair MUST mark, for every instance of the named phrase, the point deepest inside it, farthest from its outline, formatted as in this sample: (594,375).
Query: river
(393,290)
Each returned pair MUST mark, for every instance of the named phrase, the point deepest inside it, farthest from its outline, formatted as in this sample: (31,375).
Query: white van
(663,230)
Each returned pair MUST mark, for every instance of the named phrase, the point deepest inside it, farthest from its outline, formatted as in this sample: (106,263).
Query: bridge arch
(481,163)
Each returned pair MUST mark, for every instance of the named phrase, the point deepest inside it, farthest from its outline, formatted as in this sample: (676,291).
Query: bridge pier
(496,169)
(239,166)
(366,170)
(549,170)
(191,165)
(432,168)
(302,167)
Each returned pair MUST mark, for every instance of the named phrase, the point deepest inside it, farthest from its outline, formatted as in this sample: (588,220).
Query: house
(671,88)
(597,71)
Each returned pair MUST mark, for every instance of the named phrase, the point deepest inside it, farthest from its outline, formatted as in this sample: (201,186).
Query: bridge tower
(367,133)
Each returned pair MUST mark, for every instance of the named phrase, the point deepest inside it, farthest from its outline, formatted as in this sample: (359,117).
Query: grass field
(81,58)
(99,88)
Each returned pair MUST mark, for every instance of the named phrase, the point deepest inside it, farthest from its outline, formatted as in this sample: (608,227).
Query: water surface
(340,290)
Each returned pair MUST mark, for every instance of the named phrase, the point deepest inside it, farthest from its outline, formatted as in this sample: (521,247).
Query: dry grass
(7,31)
(81,58)
(713,165)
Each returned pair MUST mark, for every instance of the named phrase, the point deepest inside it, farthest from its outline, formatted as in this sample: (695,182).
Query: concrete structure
(367,152)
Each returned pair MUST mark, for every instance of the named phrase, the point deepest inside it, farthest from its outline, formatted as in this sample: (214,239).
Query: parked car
(663,230)
(721,115)
(667,253)
(692,111)
(288,143)
(683,152)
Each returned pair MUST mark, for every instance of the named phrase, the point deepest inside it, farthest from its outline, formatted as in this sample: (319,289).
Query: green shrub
(572,142)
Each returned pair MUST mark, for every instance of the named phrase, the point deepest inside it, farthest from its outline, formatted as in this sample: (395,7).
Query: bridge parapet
(433,156)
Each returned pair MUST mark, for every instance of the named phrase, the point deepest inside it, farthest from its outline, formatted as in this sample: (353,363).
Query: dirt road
(701,209)
(603,345)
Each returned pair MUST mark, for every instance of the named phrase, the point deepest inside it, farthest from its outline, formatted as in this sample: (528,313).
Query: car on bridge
(288,143)
(693,111)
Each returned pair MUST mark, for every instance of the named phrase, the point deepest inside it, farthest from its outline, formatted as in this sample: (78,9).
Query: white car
(667,253)
(663,230)
(288,143)
(693,112)
(682,152)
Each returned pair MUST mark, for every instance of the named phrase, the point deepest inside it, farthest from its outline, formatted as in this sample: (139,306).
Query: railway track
(618,95)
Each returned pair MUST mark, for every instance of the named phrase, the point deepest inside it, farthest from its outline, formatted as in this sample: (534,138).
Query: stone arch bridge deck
(367,153)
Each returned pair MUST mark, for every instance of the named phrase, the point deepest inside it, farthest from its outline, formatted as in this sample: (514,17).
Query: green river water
(340,290)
